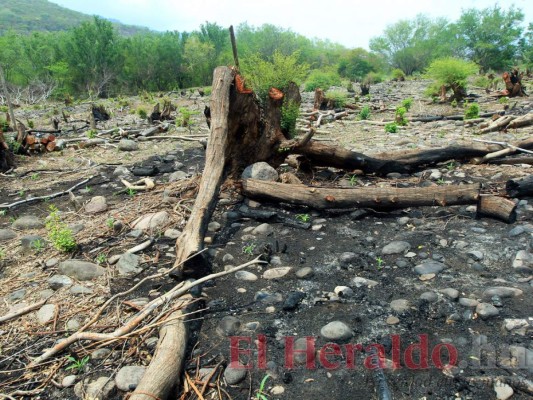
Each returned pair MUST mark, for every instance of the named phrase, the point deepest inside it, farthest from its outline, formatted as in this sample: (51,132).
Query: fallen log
(498,125)
(497,207)
(379,198)
(455,117)
(524,120)
(520,187)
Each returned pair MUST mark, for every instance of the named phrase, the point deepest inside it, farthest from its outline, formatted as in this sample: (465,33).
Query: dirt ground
(354,268)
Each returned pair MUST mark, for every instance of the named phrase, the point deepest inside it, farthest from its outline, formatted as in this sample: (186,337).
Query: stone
(466,302)
(392,320)
(292,300)
(149,221)
(277,390)
(121,171)
(276,273)
(260,170)
(72,325)
(523,357)
(486,310)
(7,234)
(304,273)
(347,258)
(396,247)
(101,388)
(31,243)
(96,205)
(359,282)
(28,222)
(511,324)
(343,291)
(46,294)
(51,262)
(77,290)
(213,226)
(128,264)
(128,145)
(268,298)
(336,330)
(100,354)
(46,313)
(429,267)
(430,297)
(400,305)
(80,270)
(16,295)
(69,381)
(503,391)
(450,293)
(303,351)
(56,282)
(476,255)
(516,231)
(128,377)
(246,276)
(263,229)
(228,326)
(178,176)
(522,260)
(233,376)
(172,233)
(76,228)
(502,291)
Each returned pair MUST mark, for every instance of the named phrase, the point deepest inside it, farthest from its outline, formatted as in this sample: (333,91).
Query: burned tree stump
(7,159)
(520,187)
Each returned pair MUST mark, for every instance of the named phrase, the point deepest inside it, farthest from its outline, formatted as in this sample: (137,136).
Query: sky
(350,23)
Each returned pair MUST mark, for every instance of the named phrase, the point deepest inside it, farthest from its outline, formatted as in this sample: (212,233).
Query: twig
(22,311)
(505,144)
(51,196)
(185,138)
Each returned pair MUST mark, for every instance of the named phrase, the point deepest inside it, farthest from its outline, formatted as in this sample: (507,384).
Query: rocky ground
(423,285)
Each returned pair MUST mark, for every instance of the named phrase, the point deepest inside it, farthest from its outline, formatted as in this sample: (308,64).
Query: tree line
(93,59)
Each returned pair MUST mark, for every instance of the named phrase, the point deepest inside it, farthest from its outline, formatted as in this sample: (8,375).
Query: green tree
(490,37)
(356,64)
(197,57)
(452,73)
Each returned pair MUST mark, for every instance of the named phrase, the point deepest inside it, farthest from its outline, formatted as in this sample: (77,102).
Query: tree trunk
(520,187)
(497,207)
(7,159)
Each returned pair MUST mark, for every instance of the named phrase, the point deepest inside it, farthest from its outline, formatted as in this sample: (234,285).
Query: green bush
(184,117)
(372,78)
(142,113)
(391,127)
(321,79)
(471,111)
(482,81)
(454,103)
(61,236)
(289,114)
(452,73)
(400,116)
(364,113)
(398,75)
(407,103)
(336,97)
(262,75)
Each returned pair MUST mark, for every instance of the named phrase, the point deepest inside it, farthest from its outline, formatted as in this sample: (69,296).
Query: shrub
(337,98)
(472,111)
(184,118)
(503,100)
(364,113)
(372,78)
(407,103)
(452,73)
(322,79)
(400,116)
(61,236)
(482,82)
(289,114)
(454,103)
(262,75)
(391,127)
(142,113)
(398,75)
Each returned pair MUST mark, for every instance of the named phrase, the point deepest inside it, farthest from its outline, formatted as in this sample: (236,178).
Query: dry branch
(22,311)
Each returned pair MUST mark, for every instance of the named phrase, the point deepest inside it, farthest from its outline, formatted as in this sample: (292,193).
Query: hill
(25,16)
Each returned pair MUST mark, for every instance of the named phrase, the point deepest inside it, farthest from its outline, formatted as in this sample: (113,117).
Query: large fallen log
(497,207)
(520,187)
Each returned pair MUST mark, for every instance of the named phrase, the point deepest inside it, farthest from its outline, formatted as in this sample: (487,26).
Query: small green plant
(88,189)
(380,262)
(454,103)
(353,180)
(77,364)
(184,118)
(37,245)
(400,116)
(303,217)
(391,127)
(141,112)
(407,103)
(441,134)
(451,166)
(3,212)
(110,222)
(452,73)
(398,75)
(441,181)
(503,100)
(248,249)
(61,236)
(31,124)
(472,111)
(364,113)
(2,254)
(101,258)
(131,192)
(22,192)
(35,176)
(91,133)
(290,111)
(261,395)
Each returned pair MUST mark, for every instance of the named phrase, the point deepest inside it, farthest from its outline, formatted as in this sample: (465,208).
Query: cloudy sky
(351,23)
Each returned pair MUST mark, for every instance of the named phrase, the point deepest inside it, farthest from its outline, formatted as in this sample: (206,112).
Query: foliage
(380,262)
(101,258)
(391,127)
(364,113)
(471,111)
(248,249)
(399,116)
(77,364)
(372,78)
(303,217)
(503,100)
(141,112)
(454,103)
(61,236)
(451,72)
(184,117)
(2,254)
(91,133)
(337,98)
(322,79)
(407,103)
(263,74)
(398,74)
(357,64)
(261,395)
(290,111)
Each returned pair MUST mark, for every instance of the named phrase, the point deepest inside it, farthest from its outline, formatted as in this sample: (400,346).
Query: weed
(380,262)
(441,181)
(248,249)
(110,222)
(303,217)
(88,189)
(364,113)
(2,254)
(91,133)
(337,98)
(472,111)
(353,180)
(391,127)
(131,192)
(31,124)
(400,116)
(34,176)
(22,192)
(101,258)
(441,134)
(407,103)
(37,245)
(290,111)
(451,166)
(3,212)
(503,100)
(142,113)
(260,395)
(61,236)
(77,364)
(454,103)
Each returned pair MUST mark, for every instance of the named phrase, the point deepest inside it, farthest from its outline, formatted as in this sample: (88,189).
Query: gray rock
(96,205)
(100,354)
(16,295)
(213,226)
(450,293)
(523,357)
(227,258)
(101,388)
(56,282)
(486,310)
(51,262)
(31,243)
(234,376)
(245,276)
(80,270)
(360,281)
(268,298)
(400,306)
(517,230)
(502,291)
(260,170)
(72,325)
(172,233)
(396,247)
(476,255)
(403,221)
(121,170)
(263,229)
(128,264)
(336,330)
(178,176)
(152,221)
(76,228)
(134,233)
(343,291)
(77,290)
(46,294)
(228,326)
(128,377)
(128,145)
(304,273)
(69,380)
(430,297)
(276,273)
(7,234)
(27,222)
(429,267)
(46,313)
(466,302)
(347,258)
(476,229)
(300,346)
(522,260)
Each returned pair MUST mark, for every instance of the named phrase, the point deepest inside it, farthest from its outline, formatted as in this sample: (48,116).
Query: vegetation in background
(364,113)
(336,97)
(322,79)
(290,111)
(452,73)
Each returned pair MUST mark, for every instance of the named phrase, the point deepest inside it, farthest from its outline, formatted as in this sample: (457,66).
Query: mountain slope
(25,16)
